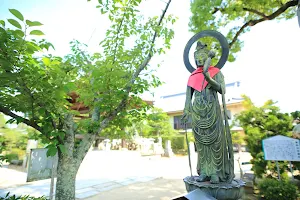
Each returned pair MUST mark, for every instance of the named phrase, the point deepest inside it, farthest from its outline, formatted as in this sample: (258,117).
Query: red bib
(197,79)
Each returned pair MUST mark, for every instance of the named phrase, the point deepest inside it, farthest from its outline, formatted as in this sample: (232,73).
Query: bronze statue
(215,159)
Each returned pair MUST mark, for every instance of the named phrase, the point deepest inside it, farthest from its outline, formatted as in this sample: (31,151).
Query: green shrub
(21,153)
(25,197)
(178,143)
(12,156)
(272,189)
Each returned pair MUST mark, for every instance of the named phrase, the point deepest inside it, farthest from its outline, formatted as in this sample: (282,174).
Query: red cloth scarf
(197,79)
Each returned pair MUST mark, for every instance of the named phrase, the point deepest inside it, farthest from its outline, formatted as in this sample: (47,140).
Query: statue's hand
(211,54)
(206,65)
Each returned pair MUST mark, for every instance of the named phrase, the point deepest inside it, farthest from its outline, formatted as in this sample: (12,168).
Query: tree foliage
(159,123)
(296,114)
(237,16)
(13,140)
(237,138)
(260,123)
(2,140)
(107,83)
(156,123)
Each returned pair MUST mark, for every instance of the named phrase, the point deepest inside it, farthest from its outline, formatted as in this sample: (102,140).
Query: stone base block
(221,191)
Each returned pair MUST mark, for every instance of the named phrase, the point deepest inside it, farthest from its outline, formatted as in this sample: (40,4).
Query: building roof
(175,102)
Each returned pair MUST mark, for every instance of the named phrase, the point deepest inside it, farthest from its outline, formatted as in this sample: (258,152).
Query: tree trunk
(66,177)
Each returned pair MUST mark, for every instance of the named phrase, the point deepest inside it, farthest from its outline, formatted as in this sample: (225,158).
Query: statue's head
(201,54)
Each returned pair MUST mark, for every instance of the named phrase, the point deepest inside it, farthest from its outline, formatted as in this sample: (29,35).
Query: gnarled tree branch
(255,11)
(128,87)
(275,14)
(8,112)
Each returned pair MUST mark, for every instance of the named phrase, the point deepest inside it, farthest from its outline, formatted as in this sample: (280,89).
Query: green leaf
(36,32)
(69,87)
(10,121)
(19,120)
(19,33)
(17,14)
(33,23)
(32,46)
(46,61)
(62,148)
(52,150)
(61,135)
(4,63)
(2,23)
(55,62)
(15,23)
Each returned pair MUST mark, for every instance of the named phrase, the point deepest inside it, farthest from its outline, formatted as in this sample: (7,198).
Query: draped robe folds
(209,130)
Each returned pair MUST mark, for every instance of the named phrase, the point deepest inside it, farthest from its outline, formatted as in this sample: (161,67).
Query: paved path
(100,171)
(103,171)
(84,187)
(158,189)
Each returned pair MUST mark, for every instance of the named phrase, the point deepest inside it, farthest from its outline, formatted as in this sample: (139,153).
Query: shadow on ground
(159,189)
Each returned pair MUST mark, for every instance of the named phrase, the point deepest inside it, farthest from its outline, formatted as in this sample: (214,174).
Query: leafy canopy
(260,123)
(156,123)
(236,17)
(109,83)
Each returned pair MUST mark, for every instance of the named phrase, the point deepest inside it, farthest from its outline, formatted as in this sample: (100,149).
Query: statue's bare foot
(202,178)
(214,179)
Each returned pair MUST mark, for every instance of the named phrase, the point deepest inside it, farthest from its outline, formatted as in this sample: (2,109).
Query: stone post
(168,149)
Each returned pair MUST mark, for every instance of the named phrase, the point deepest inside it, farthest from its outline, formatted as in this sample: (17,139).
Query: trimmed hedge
(12,156)
(272,189)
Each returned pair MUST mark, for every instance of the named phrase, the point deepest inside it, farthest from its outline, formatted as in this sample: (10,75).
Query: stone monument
(215,162)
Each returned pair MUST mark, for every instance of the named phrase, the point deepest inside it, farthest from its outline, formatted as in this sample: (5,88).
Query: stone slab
(103,185)
(116,185)
(126,181)
(198,194)
(87,194)
(84,190)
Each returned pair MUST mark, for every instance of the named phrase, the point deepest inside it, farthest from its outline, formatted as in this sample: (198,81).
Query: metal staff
(189,152)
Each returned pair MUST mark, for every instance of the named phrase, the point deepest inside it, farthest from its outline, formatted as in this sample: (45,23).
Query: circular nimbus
(207,33)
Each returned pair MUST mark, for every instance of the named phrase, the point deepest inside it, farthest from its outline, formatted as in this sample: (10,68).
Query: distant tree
(156,123)
(13,140)
(237,138)
(296,114)
(238,16)
(159,123)
(2,140)
(260,123)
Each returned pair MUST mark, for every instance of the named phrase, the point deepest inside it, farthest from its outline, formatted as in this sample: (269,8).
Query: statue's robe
(207,124)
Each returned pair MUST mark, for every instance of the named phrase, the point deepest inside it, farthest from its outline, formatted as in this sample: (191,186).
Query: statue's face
(200,57)
(201,54)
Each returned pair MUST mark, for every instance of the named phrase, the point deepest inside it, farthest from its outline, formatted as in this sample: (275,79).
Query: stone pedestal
(221,191)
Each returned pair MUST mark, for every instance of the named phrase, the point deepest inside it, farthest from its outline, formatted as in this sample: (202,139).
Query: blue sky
(268,65)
